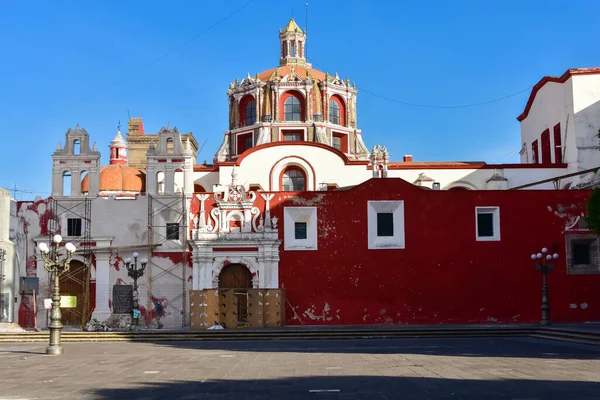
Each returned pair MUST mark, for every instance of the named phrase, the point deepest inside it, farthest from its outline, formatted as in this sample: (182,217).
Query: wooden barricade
(265,308)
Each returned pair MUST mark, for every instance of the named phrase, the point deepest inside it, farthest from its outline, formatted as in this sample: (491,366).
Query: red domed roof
(118,178)
(284,70)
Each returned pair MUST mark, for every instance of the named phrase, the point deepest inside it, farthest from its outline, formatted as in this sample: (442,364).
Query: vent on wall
(436,186)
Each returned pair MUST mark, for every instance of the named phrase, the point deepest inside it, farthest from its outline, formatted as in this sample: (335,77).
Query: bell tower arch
(73,161)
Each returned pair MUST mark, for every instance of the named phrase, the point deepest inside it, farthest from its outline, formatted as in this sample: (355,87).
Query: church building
(295,201)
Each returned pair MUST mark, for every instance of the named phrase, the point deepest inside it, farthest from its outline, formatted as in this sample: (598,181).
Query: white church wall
(586,102)
(553,104)
(264,166)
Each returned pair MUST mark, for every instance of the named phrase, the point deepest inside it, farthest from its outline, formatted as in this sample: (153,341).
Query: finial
(119,126)
(59,147)
(231,85)
(237,82)
(77,125)
(95,147)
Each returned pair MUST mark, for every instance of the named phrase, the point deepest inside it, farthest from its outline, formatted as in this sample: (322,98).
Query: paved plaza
(505,368)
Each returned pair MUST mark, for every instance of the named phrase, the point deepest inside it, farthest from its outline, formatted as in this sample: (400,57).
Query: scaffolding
(70,211)
(163,212)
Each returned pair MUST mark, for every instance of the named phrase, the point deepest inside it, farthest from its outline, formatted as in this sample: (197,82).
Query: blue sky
(68,62)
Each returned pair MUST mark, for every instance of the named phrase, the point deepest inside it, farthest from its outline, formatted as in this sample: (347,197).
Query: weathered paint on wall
(443,275)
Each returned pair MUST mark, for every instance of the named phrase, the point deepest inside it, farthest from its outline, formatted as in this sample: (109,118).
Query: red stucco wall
(443,275)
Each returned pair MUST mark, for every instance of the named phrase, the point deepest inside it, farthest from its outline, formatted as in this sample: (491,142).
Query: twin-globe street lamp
(135,273)
(56,267)
(543,263)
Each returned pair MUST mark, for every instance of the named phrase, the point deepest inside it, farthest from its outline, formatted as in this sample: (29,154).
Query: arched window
(293,179)
(250,113)
(334,112)
(292,109)
(66,183)
(160,182)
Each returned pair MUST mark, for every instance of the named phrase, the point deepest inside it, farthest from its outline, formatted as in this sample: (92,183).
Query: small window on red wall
(339,141)
(292,136)
(293,179)
(244,142)
(292,106)
(337,111)
(247,111)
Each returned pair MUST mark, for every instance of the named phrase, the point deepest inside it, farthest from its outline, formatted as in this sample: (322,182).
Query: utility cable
(407,103)
(161,57)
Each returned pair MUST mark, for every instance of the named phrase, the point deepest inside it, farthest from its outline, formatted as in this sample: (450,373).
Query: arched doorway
(73,283)
(238,278)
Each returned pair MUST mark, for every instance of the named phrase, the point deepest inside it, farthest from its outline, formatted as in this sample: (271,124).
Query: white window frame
(495,211)
(396,207)
(291,215)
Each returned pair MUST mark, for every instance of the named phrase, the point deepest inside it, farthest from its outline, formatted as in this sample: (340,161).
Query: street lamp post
(543,263)
(56,267)
(135,273)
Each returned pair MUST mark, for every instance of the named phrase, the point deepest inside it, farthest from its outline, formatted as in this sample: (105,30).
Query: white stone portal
(236,232)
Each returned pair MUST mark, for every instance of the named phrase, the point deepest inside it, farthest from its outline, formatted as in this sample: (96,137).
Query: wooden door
(72,284)
(238,277)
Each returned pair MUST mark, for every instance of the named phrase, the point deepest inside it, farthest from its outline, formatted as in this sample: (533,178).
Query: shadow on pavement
(520,347)
(357,388)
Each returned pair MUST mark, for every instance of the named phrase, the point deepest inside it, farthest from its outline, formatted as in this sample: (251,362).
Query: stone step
(291,334)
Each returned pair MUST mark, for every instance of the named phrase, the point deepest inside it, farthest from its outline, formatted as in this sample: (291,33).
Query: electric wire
(408,103)
(151,63)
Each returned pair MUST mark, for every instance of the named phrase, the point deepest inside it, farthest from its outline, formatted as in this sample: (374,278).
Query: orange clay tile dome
(118,178)
(300,70)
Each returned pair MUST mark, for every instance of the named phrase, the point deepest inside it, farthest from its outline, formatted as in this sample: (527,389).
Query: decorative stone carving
(379,161)
(321,135)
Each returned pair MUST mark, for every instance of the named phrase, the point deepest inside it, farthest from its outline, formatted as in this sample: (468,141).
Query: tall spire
(118,150)
(293,44)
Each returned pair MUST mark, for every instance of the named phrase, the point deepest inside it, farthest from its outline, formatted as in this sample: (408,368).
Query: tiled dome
(119,178)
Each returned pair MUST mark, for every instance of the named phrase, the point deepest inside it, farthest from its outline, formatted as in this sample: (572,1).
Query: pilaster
(102,311)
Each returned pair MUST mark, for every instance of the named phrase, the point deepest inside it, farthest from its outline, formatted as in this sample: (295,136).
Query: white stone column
(188,177)
(94,181)
(169,179)
(102,311)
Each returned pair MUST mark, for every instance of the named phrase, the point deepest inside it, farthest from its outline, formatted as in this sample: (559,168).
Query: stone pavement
(478,368)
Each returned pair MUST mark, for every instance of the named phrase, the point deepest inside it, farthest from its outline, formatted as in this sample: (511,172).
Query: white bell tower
(72,162)
(172,155)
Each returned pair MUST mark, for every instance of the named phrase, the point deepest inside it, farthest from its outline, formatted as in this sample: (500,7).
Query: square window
(487,223)
(300,230)
(74,227)
(385,224)
(581,253)
(173,231)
